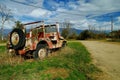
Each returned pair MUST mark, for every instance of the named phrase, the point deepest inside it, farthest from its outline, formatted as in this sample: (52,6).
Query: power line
(92,16)
(44,8)
(23,3)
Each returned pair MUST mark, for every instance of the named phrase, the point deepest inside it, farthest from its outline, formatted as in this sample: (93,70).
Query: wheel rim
(15,38)
(42,53)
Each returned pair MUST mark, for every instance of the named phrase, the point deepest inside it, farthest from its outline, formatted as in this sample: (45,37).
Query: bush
(73,35)
(115,34)
(65,33)
(86,34)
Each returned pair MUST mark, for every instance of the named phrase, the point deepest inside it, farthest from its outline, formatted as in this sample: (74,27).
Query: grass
(71,63)
(2,49)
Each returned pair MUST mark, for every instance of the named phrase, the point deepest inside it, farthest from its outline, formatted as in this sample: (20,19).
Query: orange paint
(21,52)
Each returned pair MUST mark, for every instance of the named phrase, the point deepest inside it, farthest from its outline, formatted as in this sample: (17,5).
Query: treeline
(87,34)
(115,34)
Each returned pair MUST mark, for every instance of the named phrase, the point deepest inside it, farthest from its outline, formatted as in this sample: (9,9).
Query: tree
(5,15)
(115,34)
(73,35)
(66,29)
(86,34)
(18,24)
(65,33)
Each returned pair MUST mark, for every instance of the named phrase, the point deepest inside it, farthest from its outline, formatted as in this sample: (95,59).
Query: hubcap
(42,53)
(15,38)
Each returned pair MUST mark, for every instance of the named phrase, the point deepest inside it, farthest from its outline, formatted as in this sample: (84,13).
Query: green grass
(70,63)
(2,49)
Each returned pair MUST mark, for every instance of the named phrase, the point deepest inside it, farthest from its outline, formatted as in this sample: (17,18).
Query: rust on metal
(33,22)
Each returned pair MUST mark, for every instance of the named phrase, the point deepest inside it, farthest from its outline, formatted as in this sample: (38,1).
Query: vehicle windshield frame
(51,29)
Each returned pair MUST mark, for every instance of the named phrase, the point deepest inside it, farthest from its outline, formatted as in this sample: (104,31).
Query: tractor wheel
(41,52)
(17,39)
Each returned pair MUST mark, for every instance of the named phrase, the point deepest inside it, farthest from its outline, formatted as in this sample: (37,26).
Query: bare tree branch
(5,15)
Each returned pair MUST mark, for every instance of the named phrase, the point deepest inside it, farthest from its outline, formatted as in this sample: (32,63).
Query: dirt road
(2,44)
(106,56)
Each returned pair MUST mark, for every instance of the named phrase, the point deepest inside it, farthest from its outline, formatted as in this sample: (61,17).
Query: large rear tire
(17,39)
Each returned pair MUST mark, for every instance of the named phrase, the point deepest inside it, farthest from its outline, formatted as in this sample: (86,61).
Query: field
(71,63)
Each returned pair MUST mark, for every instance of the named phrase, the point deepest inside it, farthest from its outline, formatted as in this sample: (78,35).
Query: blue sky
(81,13)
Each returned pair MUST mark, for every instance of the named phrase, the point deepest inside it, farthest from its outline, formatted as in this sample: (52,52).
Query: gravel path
(106,56)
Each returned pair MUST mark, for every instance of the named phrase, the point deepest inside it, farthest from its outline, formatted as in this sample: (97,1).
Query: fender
(46,41)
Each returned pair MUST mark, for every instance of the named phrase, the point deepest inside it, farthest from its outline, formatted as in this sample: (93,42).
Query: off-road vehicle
(39,41)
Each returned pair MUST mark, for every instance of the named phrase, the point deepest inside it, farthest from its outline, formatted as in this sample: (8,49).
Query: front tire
(41,52)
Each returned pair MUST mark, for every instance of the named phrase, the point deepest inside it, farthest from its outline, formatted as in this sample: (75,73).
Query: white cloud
(96,8)
(107,4)
(72,5)
(118,19)
(40,13)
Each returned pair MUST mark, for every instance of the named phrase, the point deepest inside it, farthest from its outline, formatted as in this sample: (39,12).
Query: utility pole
(112,27)
(89,27)
(111,23)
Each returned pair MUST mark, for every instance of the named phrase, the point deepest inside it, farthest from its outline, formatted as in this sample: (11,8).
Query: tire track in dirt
(106,56)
